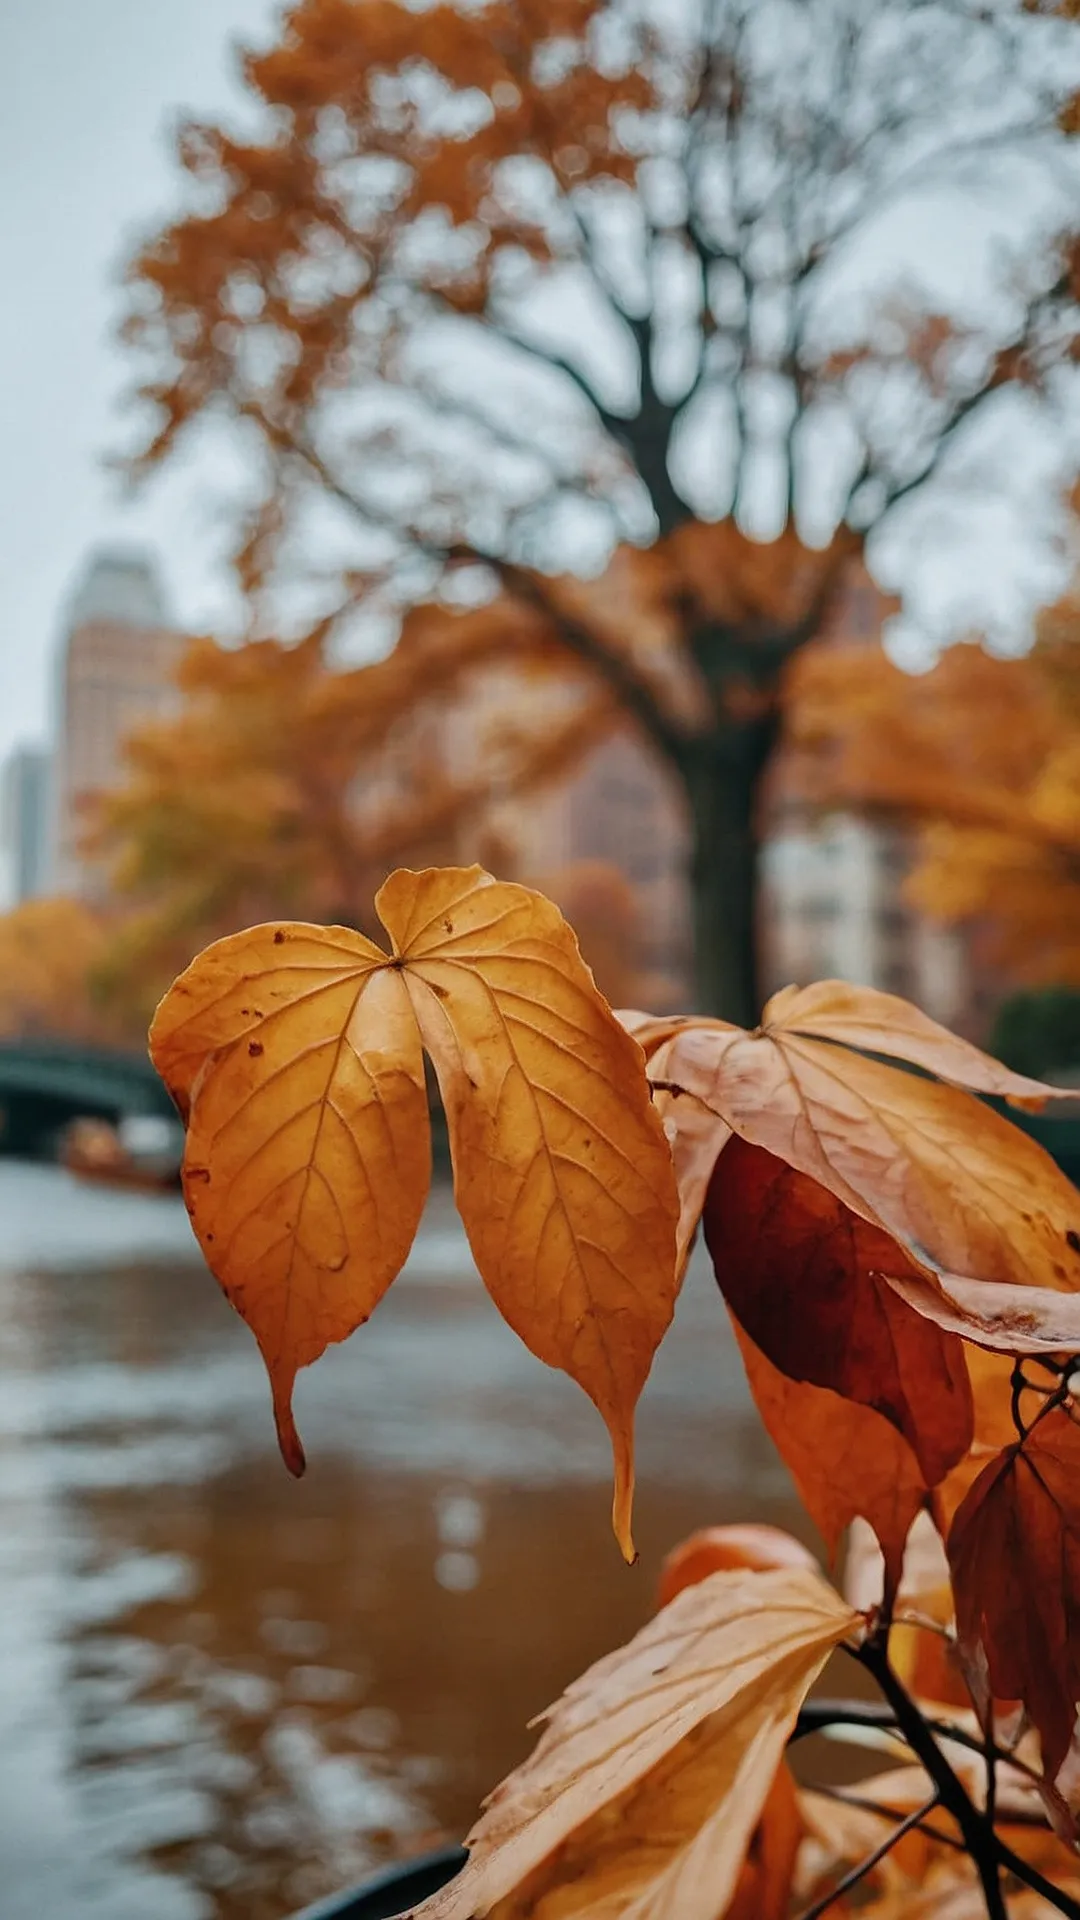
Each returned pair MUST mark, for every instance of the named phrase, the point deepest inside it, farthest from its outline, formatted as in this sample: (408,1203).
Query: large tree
(496,290)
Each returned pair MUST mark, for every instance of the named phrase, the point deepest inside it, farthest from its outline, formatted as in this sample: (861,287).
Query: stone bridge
(44,1084)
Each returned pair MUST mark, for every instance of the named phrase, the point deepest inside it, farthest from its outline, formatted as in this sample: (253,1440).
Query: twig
(866,1866)
(1022,1869)
(849,1798)
(817,1715)
(979,1836)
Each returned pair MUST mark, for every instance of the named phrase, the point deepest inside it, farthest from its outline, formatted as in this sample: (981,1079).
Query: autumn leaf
(562,1174)
(798,1271)
(1014,1551)
(1009,1319)
(875,1022)
(295,1052)
(752,1544)
(652,1772)
(846,1460)
(695,1138)
(939,1171)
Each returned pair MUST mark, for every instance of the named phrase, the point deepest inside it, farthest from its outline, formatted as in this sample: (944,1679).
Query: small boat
(141,1151)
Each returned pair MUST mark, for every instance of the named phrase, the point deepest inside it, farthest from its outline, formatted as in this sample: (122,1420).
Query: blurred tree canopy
(49,950)
(498,291)
(983,754)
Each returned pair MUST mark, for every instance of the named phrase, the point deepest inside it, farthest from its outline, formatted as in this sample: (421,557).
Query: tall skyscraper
(24,824)
(118,664)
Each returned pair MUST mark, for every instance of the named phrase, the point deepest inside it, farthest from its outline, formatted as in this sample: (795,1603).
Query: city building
(832,902)
(24,824)
(118,661)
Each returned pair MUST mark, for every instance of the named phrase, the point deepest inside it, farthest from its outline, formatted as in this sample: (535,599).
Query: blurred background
(634,444)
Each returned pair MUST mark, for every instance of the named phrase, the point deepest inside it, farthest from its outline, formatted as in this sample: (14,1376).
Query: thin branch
(848,1797)
(614,423)
(872,1860)
(616,669)
(979,1837)
(1023,1870)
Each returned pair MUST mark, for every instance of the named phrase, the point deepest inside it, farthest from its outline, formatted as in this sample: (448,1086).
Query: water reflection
(223,1693)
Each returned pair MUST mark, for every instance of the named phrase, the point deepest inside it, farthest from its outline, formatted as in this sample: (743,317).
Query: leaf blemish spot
(279,938)
(255,1047)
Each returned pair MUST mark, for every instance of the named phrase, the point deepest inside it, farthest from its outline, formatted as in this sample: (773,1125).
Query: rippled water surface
(224,1693)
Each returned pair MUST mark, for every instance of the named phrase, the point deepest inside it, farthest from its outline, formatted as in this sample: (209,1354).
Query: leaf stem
(866,1866)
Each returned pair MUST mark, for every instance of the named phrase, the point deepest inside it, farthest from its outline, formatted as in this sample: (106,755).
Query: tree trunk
(722,787)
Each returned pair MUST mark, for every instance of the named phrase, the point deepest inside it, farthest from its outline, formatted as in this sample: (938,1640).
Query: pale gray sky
(89,93)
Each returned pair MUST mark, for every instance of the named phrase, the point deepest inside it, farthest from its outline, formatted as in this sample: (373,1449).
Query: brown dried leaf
(696,1137)
(1014,1551)
(876,1022)
(797,1268)
(562,1173)
(938,1170)
(653,1769)
(1007,1318)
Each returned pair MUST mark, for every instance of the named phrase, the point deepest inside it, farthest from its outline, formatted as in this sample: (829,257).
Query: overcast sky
(90,91)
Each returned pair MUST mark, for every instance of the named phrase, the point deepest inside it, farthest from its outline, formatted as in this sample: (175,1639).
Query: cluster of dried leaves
(902,1270)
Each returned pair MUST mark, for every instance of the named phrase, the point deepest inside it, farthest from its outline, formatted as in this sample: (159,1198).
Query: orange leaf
(654,1768)
(296,1053)
(845,1459)
(876,1022)
(763,1889)
(751,1544)
(1014,1550)
(934,1167)
(796,1268)
(562,1173)
(308,1151)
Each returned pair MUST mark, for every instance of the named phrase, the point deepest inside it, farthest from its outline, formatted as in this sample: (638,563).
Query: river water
(224,1693)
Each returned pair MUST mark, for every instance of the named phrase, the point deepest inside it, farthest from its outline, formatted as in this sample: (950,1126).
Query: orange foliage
(48,952)
(983,755)
(894,1256)
(284,786)
(359,285)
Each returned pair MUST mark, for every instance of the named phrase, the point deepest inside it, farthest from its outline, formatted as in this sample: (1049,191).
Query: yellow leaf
(308,1154)
(295,1053)
(641,1797)
(562,1173)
